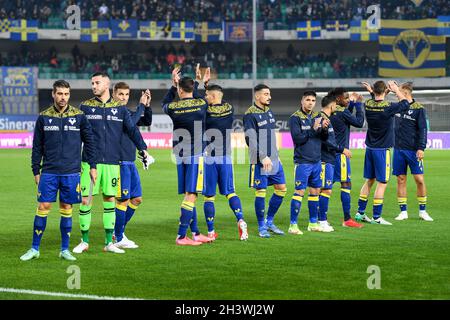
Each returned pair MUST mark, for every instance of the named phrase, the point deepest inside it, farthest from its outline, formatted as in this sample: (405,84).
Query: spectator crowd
(273,12)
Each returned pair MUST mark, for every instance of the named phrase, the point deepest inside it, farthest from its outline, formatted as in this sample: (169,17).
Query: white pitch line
(62,294)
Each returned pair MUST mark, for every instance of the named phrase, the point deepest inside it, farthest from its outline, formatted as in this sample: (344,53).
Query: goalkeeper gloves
(145,158)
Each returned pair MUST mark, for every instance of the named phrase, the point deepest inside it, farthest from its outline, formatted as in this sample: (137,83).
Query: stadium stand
(275,14)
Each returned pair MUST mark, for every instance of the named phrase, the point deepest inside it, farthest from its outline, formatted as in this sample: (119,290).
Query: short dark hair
(327,100)
(101,74)
(121,85)
(260,87)
(379,87)
(60,84)
(337,92)
(309,93)
(214,87)
(408,86)
(186,84)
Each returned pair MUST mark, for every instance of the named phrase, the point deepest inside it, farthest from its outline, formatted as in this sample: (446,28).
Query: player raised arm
(403,103)
(171,94)
(147,119)
(367,86)
(358,119)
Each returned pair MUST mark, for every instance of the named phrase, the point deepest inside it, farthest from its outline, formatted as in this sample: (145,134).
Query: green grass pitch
(412,255)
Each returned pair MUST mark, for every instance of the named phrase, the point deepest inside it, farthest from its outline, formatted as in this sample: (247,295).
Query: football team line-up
(76,152)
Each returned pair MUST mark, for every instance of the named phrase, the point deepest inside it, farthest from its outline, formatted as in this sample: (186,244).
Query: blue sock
(422,203)
(313,206)
(120,222)
(194,222)
(402,203)
(260,206)
(40,222)
(274,204)
(131,209)
(346,203)
(324,200)
(296,205)
(65,226)
(362,203)
(235,204)
(187,209)
(210,212)
(377,208)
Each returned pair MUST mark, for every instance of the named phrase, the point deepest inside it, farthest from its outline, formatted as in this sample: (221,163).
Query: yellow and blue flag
(360,32)
(411,48)
(24,30)
(309,29)
(207,31)
(94,31)
(337,25)
(124,29)
(444,25)
(5,25)
(183,30)
(150,29)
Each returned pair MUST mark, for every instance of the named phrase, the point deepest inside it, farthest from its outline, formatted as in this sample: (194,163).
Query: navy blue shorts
(261,180)
(130,182)
(404,159)
(327,175)
(377,164)
(68,186)
(342,169)
(308,175)
(190,174)
(218,171)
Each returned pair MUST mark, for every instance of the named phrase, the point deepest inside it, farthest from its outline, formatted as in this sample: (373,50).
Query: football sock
(194,223)
(187,209)
(85,221)
(131,209)
(422,203)
(260,204)
(65,226)
(274,204)
(120,221)
(346,203)
(40,222)
(313,206)
(324,199)
(402,204)
(377,208)
(109,220)
(296,204)
(362,203)
(235,204)
(210,212)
